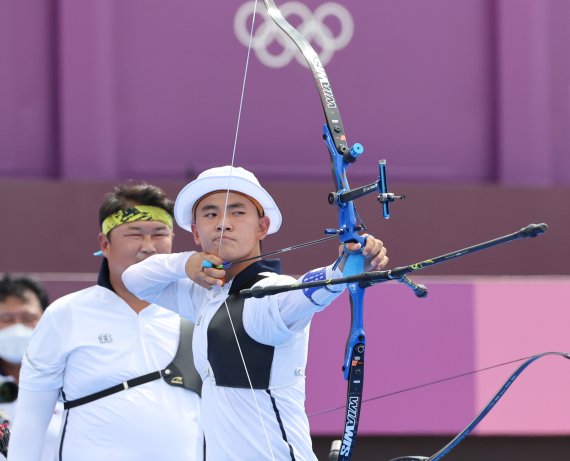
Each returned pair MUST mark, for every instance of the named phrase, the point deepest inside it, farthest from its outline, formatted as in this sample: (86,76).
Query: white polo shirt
(231,418)
(91,340)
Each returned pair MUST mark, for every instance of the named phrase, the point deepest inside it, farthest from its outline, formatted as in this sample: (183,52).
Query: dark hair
(19,288)
(134,193)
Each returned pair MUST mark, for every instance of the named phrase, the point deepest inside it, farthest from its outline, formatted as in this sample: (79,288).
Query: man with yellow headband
(256,414)
(122,366)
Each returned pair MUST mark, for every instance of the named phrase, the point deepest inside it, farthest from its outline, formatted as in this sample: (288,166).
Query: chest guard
(223,353)
(181,372)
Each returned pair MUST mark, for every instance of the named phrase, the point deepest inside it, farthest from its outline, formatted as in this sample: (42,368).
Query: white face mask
(13,342)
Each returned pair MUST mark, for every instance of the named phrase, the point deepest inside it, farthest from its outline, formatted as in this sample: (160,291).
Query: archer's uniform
(273,334)
(91,340)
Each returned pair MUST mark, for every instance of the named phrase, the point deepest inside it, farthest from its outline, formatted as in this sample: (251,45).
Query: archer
(243,347)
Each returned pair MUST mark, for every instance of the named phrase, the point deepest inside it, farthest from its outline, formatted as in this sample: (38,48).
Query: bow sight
(380,185)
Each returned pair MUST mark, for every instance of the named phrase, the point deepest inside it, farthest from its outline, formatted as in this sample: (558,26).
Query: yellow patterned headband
(136,213)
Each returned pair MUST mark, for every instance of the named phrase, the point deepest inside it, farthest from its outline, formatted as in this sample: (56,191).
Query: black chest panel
(223,353)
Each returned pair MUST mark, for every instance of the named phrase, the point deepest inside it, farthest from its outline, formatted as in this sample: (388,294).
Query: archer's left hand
(374,253)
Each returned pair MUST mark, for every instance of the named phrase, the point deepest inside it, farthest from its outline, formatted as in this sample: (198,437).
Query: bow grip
(354,265)
(355,238)
(224,265)
(353,260)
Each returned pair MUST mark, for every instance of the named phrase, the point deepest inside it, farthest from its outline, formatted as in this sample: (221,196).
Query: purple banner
(473,91)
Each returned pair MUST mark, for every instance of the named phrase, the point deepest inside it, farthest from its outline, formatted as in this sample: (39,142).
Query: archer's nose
(148,246)
(225,223)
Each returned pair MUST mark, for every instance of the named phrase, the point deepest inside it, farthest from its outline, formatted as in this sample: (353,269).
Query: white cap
(221,179)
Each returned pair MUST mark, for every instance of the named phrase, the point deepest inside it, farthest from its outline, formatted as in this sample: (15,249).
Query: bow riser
(348,226)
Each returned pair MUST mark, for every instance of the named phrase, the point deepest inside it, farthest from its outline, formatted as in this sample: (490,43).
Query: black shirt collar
(104,277)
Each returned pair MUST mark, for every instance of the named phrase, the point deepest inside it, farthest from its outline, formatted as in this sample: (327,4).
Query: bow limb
(341,157)
(481,415)
(328,101)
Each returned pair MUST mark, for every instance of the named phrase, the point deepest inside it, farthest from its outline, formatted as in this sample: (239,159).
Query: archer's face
(130,243)
(234,234)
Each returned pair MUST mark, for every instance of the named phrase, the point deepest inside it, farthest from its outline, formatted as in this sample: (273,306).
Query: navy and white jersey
(269,422)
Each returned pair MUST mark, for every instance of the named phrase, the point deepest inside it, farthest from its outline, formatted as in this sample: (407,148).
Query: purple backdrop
(447,91)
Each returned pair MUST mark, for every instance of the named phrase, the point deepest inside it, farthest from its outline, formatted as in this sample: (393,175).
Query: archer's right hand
(207,277)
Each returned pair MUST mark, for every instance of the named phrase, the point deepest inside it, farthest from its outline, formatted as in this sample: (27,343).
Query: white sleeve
(43,366)
(34,412)
(162,280)
(275,319)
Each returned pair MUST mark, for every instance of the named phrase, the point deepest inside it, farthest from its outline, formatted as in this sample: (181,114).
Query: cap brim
(195,190)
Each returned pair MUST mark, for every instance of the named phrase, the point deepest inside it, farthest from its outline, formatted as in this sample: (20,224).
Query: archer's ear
(195,234)
(263,227)
(104,243)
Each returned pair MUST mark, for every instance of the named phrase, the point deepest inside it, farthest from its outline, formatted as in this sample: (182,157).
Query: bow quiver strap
(180,372)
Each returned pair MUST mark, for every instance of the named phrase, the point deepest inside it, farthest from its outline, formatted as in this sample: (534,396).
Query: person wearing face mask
(22,303)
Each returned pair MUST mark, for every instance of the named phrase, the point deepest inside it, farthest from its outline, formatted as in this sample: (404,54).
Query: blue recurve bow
(349,225)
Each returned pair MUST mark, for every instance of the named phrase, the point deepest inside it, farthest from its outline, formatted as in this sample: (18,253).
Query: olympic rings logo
(312,27)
